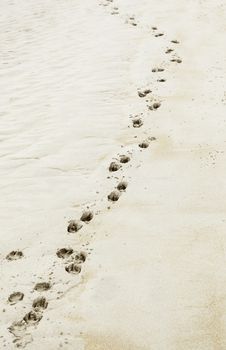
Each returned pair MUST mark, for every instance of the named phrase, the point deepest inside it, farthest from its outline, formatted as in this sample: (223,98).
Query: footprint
(42,286)
(159,34)
(124,159)
(177,60)
(18,328)
(114,196)
(122,186)
(155,70)
(87,216)
(137,123)
(22,342)
(114,166)
(131,21)
(73,269)
(175,41)
(161,80)
(32,317)
(169,50)
(154,106)
(79,258)
(144,92)
(144,144)
(115,11)
(15,255)
(40,304)
(154,28)
(64,253)
(15,297)
(74,226)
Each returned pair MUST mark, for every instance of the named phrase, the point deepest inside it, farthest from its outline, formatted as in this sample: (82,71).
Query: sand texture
(112,168)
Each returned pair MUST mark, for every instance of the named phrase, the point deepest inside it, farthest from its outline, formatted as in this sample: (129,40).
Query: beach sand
(84,83)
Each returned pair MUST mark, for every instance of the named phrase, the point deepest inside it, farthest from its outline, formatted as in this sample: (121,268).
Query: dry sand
(153,272)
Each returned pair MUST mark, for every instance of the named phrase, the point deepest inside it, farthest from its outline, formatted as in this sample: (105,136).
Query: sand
(148,270)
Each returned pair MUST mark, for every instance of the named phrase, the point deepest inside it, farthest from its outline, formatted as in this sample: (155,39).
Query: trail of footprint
(72,259)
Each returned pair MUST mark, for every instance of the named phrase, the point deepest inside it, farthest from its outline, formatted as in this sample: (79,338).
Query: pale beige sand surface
(154,277)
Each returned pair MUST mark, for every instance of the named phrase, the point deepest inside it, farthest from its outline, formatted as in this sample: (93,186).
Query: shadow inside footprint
(87,216)
(161,80)
(80,258)
(137,123)
(122,186)
(144,93)
(64,253)
(177,60)
(155,70)
(114,166)
(15,297)
(40,304)
(144,144)
(15,255)
(114,196)
(169,50)
(74,226)
(73,269)
(124,159)
(159,34)
(154,106)
(42,286)
(175,41)
(32,317)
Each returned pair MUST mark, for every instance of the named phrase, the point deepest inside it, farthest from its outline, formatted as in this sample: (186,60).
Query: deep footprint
(124,159)
(114,196)
(155,70)
(64,253)
(87,216)
(155,106)
(74,226)
(137,123)
(40,304)
(15,255)
(143,93)
(169,50)
(177,60)
(32,317)
(114,167)
(144,144)
(15,297)
(42,286)
(80,258)
(122,186)
(73,269)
